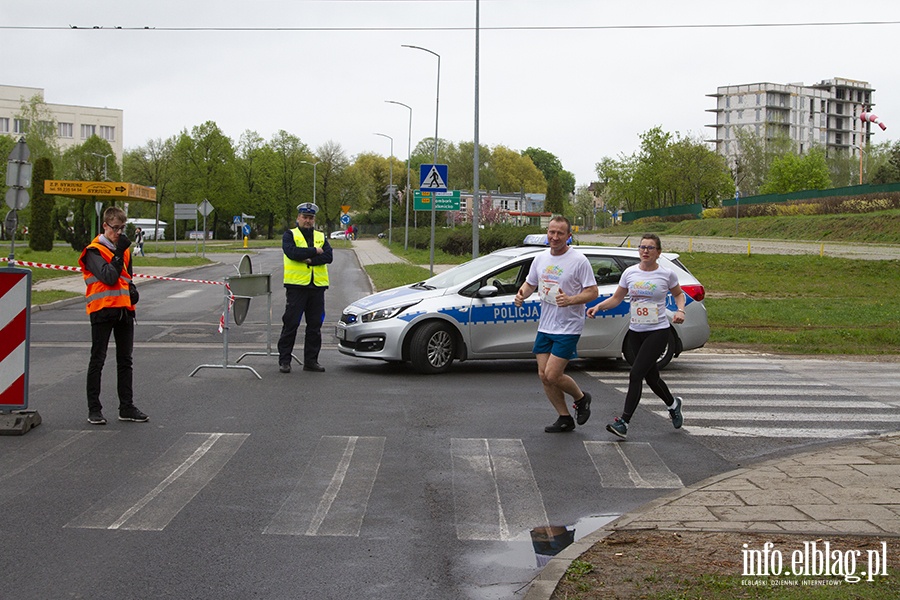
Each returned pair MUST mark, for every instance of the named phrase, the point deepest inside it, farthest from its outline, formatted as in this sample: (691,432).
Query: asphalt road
(366,480)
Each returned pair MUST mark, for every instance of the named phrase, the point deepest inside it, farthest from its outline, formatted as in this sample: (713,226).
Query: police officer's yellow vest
(99,295)
(300,273)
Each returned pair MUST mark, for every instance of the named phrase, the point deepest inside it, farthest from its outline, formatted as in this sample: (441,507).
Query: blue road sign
(433,178)
(345,219)
(246,229)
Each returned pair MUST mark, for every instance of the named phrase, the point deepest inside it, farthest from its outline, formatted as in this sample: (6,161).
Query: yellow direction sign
(106,189)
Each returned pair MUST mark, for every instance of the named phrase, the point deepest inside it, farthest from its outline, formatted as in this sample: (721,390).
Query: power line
(482,28)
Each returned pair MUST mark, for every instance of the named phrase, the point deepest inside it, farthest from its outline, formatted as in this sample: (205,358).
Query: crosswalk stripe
(332,496)
(740,391)
(160,492)
(32,462)
(769,415)
(643,466)
(495,494)
(774,432)
(780,403)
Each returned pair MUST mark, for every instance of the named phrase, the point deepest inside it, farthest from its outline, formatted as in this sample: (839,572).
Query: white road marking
(185,294)
(643,466)
(332,495)
(165,487)
(495,494)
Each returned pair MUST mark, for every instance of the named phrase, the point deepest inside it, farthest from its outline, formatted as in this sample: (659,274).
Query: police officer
(110,295)
(307,255)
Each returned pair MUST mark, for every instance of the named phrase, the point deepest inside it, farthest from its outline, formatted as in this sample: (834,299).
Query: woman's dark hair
(655,238)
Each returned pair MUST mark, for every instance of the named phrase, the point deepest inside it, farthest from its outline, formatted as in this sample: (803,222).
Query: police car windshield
(466,271)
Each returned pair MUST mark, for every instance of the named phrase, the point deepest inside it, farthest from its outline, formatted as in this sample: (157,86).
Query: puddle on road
(504,569)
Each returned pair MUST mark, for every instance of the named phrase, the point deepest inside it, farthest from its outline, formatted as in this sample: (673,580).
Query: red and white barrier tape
(78,270)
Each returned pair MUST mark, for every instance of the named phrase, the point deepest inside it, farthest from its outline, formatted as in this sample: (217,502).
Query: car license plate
(339,333)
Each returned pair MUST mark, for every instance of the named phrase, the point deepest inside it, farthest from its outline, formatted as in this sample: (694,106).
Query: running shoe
(563,423)
(131,413)
(675,413)
(582,409)
(96,418)
(618,427)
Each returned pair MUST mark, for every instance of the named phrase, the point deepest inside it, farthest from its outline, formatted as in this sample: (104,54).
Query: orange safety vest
(99,295)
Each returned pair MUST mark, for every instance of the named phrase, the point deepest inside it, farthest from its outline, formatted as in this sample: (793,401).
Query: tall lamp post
(437,103)
(408,152)
(390,190)
(314,176)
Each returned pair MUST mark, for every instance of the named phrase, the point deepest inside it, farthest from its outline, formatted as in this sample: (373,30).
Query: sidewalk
(850,488)
(372,252)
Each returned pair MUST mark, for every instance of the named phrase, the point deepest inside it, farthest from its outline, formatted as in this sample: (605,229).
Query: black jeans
(123,331)
(646,347)
(300,300)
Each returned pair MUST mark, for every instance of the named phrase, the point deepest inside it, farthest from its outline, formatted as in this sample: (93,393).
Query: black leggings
(646,346)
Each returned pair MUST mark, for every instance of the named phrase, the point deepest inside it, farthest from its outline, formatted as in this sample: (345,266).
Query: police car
(467,313)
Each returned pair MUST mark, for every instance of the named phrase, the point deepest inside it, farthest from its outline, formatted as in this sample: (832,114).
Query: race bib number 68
(644,312)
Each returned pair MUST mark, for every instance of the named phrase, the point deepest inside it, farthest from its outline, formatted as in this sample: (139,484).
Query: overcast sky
(579,78)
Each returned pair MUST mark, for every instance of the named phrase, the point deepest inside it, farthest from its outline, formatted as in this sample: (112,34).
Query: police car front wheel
(432,348)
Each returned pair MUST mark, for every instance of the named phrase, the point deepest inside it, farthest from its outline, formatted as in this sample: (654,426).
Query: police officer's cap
(307,208)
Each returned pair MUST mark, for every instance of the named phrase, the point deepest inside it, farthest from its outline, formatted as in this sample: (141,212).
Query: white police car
(467,313)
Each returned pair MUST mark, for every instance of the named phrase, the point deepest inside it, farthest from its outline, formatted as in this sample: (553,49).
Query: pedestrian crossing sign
(433,178)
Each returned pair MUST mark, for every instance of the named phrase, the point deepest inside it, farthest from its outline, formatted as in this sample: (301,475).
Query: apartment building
(824,115)
(74,124)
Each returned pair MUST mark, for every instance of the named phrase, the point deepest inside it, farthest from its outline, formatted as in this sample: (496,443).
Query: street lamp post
(408,152)
(314,176)
(437,103)
(390,190)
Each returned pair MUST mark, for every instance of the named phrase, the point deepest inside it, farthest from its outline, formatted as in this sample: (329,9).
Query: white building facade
(824,115)
(74,124)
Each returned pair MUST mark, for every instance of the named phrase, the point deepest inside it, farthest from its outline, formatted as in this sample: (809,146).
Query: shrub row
(458,240)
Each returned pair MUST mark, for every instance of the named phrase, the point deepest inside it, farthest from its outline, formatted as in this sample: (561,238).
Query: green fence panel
(853,190)
(669,211)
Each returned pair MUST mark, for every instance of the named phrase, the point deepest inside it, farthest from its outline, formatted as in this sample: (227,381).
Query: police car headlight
(384,313)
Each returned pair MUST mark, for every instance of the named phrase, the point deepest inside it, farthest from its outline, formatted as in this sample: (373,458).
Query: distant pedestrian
(647,284)
(139,240)
(110,296)
(307,255)
(565,282)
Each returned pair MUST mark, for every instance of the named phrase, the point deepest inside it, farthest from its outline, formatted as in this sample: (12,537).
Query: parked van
(146,226)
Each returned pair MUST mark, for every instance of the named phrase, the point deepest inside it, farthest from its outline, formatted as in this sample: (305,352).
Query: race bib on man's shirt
(548,291)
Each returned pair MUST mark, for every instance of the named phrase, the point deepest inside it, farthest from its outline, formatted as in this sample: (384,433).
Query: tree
(550,166)
(42,206)
(754,158)
(255,164)
(292,177)
(516,173)
(205,168)
(584,205)
(42,128)
(700,175)
(332,192)
(792,173)
(151,165)
(556,197)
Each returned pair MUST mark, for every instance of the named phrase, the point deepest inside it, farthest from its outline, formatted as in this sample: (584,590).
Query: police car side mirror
(488,291)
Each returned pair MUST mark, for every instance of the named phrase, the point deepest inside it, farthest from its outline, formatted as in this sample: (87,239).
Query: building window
(108,133)
(838,139)
(87,131)
(66,130)
(4,124)
(20,126)
(839,108)
(758,114)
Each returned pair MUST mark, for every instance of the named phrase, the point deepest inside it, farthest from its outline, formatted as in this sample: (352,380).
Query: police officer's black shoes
(131,413)
(313,366)
(284,367)
(96,418)
(563,423)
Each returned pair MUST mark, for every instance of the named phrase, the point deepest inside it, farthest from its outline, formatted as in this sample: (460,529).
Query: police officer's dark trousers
(300,300)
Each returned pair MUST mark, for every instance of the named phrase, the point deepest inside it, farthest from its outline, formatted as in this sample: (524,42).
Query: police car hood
(394,297)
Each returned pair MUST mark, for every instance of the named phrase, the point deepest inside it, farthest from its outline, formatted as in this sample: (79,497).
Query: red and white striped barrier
(871,118)
(14,339)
